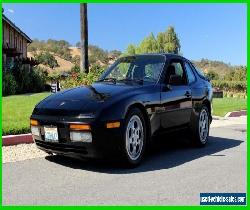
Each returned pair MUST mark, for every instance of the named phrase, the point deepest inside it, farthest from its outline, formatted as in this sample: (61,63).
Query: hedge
(234,86)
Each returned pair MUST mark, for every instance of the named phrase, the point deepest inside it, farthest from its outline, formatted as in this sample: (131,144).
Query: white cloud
(10,10)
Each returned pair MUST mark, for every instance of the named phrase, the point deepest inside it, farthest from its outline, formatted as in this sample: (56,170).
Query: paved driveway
(172,174)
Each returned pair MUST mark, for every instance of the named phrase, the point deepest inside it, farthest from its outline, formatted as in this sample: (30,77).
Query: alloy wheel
(134,137)
(203,126)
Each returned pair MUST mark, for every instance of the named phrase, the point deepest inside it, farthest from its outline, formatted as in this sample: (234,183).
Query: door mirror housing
(175,80)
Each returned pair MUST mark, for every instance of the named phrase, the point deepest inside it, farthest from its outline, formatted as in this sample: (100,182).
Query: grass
(17,110)
(221,106)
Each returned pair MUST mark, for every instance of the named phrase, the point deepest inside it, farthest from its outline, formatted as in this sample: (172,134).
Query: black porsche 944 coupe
(136,98)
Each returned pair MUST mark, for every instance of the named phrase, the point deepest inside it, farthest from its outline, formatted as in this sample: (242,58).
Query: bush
(38,79)
(79,78)
(9,84)
(21,79)
(234,86)
(47,59)
(212,75)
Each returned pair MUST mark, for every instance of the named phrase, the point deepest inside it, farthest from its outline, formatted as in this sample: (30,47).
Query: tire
(200,130)
(134,138)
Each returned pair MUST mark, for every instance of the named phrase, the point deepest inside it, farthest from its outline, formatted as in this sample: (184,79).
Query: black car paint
(164,107)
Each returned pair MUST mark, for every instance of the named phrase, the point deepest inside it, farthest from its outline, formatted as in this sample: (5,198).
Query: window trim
(191,67)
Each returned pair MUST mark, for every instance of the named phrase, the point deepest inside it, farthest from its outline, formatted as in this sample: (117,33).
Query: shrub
(47,59)
(234,86)
(79,78)
(212,75)
(22,79)
(9,84)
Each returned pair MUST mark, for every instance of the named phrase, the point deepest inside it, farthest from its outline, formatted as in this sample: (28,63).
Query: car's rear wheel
(134,137)
(200,131)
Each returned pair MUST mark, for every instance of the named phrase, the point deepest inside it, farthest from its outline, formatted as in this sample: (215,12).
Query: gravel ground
(21,152)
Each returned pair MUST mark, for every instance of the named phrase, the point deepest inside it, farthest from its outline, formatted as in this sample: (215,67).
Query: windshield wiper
(108,79)
(140,81)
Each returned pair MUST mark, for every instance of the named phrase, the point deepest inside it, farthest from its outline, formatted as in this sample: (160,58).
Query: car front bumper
(104,141)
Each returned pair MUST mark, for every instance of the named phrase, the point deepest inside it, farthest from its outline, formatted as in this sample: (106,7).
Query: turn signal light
(113,125)
(80,127)
(34,122)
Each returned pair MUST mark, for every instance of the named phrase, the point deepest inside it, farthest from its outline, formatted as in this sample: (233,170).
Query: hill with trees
(59,56)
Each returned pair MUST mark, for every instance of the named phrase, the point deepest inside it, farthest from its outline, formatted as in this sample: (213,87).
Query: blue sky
(213,31)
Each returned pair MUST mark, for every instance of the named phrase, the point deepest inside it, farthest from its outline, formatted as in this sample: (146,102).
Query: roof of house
(16,28)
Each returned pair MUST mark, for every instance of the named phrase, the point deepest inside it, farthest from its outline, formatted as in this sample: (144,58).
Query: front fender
(118,109)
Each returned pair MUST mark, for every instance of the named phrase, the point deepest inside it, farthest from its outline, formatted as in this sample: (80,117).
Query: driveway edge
(17,139)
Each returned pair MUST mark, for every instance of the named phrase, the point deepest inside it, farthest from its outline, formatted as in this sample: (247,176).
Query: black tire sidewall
(128,160)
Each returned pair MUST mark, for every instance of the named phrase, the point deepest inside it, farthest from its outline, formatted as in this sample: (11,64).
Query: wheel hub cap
(134,137)
(203,126)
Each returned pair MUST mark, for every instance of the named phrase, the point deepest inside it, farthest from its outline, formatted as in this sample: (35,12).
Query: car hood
(81,100)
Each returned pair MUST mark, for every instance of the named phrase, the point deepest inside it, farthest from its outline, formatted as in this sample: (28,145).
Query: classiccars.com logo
(222,198)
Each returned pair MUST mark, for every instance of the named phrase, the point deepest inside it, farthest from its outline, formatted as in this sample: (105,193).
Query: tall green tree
(167,42)
(131,50)
(148,45)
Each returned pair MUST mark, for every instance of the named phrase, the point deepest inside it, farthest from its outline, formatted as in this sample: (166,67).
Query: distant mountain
(217,66)
(67,56)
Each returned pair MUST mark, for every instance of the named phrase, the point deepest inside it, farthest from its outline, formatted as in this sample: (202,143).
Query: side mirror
(175,80)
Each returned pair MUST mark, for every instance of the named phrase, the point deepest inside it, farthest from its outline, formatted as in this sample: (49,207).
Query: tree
(76,60)
(97,54)
(148,45)
(171,42)
(47,59)
(167,42)
(115,53)
(131,50)
(84,37)
(212,75)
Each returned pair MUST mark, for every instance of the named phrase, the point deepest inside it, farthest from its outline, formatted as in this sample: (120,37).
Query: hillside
(64,65)
(219,67)
(67,56)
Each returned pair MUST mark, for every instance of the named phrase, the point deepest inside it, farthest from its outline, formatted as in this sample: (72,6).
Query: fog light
(35,130)
(81,136)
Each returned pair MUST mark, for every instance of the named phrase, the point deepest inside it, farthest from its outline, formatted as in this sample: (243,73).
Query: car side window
(176,68)
(152,71)
(190,74)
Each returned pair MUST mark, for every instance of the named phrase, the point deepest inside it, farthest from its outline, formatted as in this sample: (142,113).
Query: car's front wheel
(134,137)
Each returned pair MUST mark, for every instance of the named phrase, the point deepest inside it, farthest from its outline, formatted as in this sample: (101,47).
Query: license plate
(51,134)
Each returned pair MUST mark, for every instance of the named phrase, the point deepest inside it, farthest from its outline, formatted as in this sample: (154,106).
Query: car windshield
(135,69)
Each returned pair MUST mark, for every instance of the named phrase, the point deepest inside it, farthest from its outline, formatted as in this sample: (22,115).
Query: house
(15,43)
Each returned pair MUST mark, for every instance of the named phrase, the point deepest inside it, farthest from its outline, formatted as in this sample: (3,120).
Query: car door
(176,100)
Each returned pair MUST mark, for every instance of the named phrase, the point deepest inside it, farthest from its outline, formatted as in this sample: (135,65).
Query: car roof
(167,55)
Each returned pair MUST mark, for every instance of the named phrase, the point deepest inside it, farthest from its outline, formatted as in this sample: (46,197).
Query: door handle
(188,94)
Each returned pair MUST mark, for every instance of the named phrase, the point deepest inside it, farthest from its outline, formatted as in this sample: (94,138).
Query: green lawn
(16,111)
(221,106)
